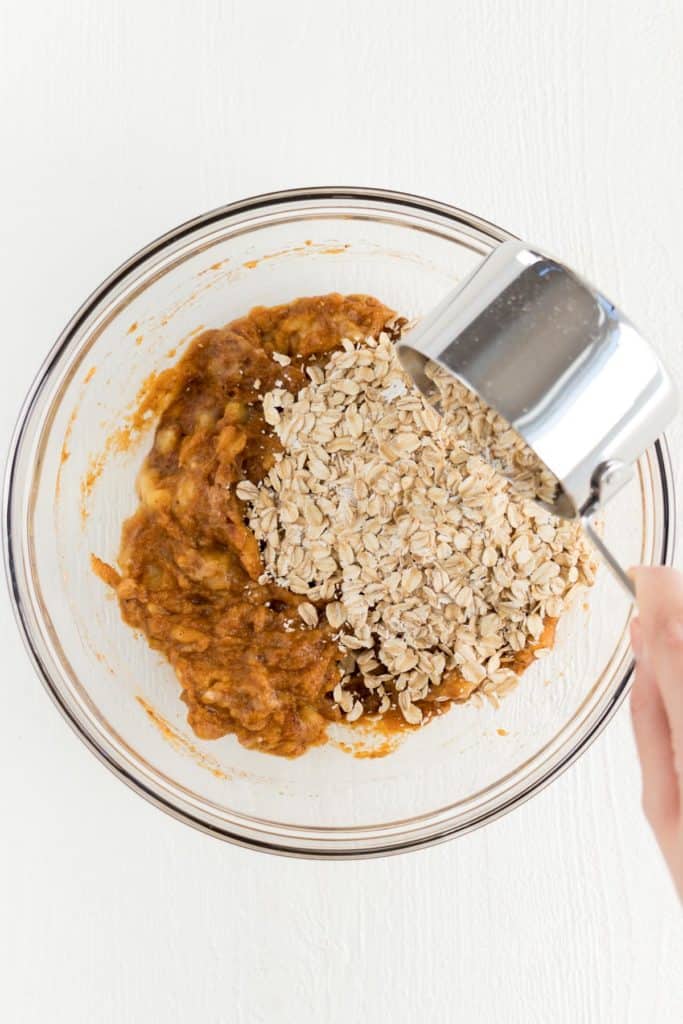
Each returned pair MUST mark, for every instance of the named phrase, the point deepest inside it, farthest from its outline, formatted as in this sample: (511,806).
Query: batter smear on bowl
(314,543)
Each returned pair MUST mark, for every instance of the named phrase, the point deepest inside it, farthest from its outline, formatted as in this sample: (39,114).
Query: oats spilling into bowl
(429,567)
(484,432)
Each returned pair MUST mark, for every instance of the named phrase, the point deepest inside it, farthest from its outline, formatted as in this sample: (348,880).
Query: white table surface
(559,120)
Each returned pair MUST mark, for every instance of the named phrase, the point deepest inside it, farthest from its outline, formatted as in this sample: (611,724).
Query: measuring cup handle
(608,557)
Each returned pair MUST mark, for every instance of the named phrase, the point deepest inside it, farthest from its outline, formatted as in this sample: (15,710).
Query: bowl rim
(89,306)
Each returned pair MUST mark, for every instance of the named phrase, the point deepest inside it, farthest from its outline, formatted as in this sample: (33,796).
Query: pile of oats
(420,554)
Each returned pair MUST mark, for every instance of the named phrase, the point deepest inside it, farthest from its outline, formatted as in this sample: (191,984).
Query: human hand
(657,707)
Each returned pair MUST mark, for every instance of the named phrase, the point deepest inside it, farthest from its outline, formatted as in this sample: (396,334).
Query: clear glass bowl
(70,484)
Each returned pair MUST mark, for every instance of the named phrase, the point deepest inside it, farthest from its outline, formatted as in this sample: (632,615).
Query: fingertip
(659,593)
(656,573)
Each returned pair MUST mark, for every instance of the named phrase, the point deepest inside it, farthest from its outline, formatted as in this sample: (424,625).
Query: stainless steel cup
(566,369)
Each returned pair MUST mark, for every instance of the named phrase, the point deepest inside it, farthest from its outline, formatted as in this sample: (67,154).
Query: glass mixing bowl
(70,485)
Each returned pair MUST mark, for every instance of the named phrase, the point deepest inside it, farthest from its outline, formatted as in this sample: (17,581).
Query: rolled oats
(382,511)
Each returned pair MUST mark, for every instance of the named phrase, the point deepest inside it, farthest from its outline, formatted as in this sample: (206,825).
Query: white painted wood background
(556,118)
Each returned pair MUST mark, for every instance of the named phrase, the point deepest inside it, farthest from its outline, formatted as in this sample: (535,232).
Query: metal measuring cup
(562,365)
